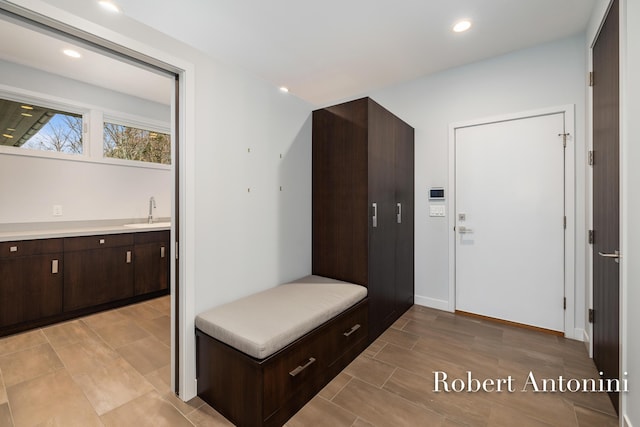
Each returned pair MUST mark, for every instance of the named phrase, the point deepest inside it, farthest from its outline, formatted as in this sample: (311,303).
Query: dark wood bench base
(251,392)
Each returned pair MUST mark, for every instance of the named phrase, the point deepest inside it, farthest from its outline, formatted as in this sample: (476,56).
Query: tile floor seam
(341,388)
(98,335)
(395,368)
(333,403)
(25,348)
(588,408)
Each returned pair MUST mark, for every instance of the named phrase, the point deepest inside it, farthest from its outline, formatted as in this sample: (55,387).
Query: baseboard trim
(579,334)
(438,304)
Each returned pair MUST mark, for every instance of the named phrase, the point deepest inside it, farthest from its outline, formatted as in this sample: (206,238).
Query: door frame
(183,184)
(569,201)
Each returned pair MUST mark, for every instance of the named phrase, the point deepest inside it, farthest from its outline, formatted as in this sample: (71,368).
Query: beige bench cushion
(263,323)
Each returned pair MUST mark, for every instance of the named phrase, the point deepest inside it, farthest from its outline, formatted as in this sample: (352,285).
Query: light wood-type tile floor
(113,369)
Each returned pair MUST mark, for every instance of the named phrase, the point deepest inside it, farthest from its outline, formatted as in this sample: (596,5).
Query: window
(131,143)
(29,126)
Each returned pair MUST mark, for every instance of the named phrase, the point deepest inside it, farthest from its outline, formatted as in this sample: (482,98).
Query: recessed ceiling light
(10,129)
(110,6)
(72,53)
(26,107)
(7,136)
(284,89)
(461,26)
(26,115)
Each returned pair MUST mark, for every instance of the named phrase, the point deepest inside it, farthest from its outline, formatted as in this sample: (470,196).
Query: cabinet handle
(299,369)
(128,257)
(399,205)
(161,251)
(13,249)
(101,241)
(54,266)
(375,215)
(352,330)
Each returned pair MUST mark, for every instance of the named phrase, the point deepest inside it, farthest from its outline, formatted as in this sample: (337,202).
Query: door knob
(615,255)
(462,229)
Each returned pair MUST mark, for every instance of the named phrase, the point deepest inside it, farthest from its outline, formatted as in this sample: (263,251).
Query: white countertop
(49,230)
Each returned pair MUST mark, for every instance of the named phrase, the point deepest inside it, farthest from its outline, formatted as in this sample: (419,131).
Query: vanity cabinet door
(30,280)
(96,276)
(151,262)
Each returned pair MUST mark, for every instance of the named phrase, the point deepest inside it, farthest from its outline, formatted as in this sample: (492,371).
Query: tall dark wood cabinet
(363,204)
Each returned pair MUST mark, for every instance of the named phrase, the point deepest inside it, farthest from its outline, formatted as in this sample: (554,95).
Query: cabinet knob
(101,241)
(13,249)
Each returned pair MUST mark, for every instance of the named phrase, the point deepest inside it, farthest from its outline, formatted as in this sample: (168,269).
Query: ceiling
(329,50)
(40,50)
(323,51)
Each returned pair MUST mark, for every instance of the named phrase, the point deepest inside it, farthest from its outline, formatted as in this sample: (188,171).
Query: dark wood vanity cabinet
(97,270)
(48,280)
(363,205)
(31,280)
(151,262)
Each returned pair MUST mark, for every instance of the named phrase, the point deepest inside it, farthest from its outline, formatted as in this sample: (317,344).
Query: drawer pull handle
(162,252)
(54,266)
(128,257)
(352,330)
(101,241)
(13,249)
(303,367)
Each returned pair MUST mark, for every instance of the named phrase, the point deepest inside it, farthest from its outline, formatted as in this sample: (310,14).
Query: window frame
(129,120)
(93,119)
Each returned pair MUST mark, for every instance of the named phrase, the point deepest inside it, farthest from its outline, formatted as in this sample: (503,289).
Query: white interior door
(510,231)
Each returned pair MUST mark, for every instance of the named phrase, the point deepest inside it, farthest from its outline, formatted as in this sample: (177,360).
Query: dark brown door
(606,199)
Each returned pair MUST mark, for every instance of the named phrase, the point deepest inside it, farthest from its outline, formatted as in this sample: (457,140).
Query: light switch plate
(437,210)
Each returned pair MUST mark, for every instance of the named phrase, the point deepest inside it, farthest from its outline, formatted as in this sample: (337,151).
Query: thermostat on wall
(436,193)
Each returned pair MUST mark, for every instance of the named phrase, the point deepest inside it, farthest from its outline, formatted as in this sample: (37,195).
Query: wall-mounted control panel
(436,193)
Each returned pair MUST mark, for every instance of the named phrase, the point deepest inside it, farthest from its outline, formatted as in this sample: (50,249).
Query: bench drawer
(350,329)
(295,369)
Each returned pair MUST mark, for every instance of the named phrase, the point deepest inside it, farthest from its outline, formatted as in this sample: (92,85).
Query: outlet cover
(57,210)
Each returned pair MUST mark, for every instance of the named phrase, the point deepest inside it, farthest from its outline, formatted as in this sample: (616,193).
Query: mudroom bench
(263,357)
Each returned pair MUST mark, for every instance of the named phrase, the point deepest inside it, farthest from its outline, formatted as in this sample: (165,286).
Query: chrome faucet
(152,204)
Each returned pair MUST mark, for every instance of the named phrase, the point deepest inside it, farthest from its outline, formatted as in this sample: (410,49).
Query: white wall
(85,190)
(543,76)
(630,152)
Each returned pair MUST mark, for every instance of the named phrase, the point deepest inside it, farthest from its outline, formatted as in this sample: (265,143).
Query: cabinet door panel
(29,289)
(97,276)
(382,295)
(340,232)
(151,267)
(405,229)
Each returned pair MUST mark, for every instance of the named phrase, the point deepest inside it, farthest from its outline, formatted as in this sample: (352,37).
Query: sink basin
(146,225)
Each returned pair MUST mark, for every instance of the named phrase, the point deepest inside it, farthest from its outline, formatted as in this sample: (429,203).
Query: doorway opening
(116,66)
